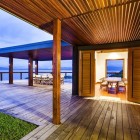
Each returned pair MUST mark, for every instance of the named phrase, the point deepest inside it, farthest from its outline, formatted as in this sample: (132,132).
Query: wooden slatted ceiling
(84,22)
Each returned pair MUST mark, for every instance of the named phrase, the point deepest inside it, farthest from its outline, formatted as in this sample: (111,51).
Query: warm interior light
(113,56)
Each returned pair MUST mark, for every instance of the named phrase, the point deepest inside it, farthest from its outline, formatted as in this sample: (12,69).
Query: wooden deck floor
(82,118)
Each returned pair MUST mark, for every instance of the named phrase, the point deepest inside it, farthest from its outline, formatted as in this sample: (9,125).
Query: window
(114,68)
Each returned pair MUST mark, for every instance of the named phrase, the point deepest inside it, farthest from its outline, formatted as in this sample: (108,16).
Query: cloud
(14,31)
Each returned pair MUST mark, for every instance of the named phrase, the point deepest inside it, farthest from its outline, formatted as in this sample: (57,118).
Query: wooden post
(36,67)
(56,70)
(20,75)
(10,70)
(30,71)
(1,77)
(75,69)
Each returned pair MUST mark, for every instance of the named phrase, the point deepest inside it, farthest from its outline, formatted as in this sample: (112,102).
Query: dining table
(113,82)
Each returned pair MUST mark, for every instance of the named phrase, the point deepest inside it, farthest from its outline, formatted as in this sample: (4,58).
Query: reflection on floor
(104,94)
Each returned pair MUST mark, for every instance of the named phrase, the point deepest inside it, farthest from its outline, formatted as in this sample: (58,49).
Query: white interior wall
(101,62)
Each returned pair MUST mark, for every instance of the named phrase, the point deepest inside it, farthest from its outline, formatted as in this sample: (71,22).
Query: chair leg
(125,89)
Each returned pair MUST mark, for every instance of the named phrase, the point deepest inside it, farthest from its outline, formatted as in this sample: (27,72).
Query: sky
(14,31)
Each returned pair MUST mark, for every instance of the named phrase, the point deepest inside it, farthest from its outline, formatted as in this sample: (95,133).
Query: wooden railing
(21,74)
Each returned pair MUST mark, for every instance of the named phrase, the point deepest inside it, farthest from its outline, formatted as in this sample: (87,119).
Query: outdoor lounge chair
(44,79)
(37,79)
(62,78)
(50,78)
(34,77)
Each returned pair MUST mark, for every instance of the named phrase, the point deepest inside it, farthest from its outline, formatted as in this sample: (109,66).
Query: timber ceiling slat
(109,13)
(89,4)
(127,20)
(56,8)
(99,24)
(103,24)
(136,21)
(94,4)
(76,25)
(23,12)
(86,27)
(120,20)
(115,24)
(112,24)
(95,30)
(137,30)
(26,9)
(82,27)
(129,7)
(44,8)
(84,22)
(131,20)
(106,22)
(35,10)
(123,22)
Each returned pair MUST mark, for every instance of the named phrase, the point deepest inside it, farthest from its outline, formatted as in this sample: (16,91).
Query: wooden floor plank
(63,121)
(112,125)
(119,122)
(82,118)
(99,124)
(84,123)
(105,126)
(68,125)
(126,125)
(90,128)
(134,123)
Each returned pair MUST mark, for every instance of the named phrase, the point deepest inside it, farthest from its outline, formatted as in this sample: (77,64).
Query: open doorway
(111,73)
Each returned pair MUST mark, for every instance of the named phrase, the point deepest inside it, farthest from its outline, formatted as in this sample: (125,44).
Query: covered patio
(40,51)
(89,26)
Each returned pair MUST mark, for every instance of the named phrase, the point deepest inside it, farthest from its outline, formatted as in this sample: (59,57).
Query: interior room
(111,73)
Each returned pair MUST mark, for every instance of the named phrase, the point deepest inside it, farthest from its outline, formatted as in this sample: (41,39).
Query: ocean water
(16,76)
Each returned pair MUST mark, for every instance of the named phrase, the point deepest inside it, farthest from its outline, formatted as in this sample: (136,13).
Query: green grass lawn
(12,128)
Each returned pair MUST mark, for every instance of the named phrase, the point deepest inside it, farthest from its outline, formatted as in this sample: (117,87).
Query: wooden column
(10,70)
(36,67)
(56,70)
(1,76)
(30,70)
(75,68)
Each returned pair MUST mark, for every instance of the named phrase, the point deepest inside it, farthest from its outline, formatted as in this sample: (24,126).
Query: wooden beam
(10,70)
(56,70)
(30,71)
(111,46)
(36,67)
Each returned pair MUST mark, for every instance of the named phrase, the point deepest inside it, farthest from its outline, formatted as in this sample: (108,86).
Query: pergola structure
(88,25)
(40,51)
